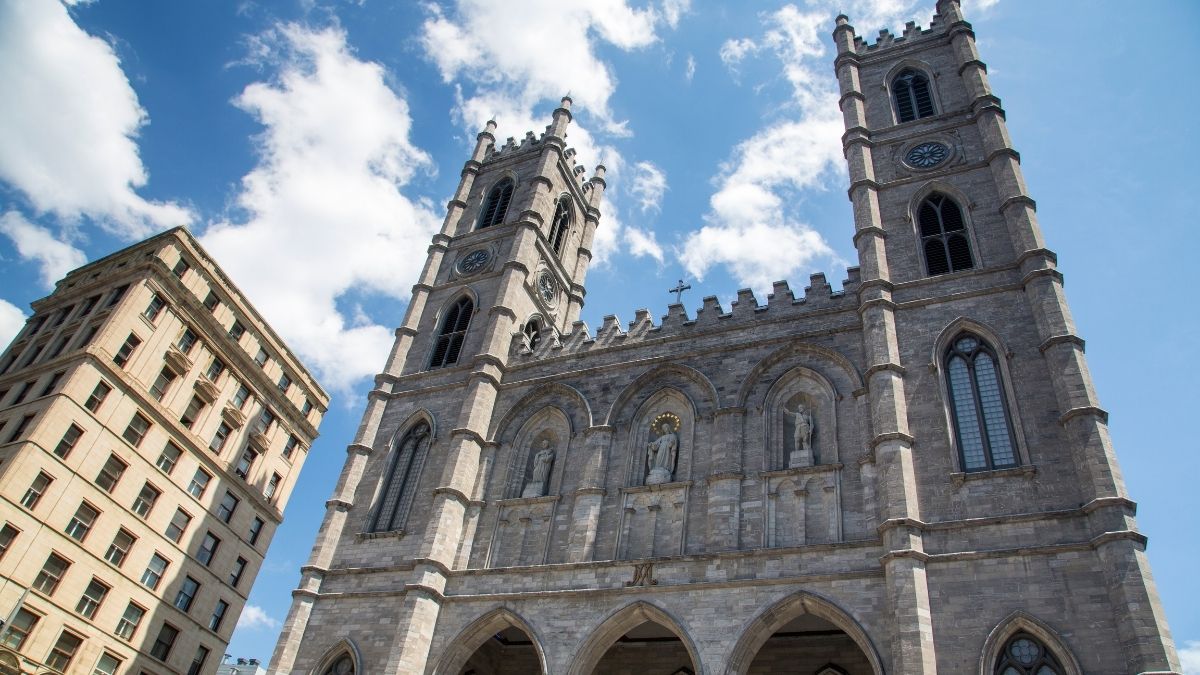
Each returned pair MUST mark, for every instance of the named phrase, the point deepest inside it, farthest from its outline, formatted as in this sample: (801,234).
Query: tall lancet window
(561,224)
(985,439)
(495,207)
(401,479)
(454,331)
(1025,655)
(910,91)
(943,236)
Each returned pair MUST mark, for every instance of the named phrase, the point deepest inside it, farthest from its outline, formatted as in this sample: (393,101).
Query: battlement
(781,304)
(948,14)
(534,143)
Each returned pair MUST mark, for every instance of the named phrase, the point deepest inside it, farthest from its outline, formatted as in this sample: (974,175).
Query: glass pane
(1024,650)
(965,415)
(994,419)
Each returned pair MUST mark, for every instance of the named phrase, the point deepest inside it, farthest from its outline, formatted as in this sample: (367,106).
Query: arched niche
(799,613)
(343,658)
(800,386)
(566,398)
(550,426)
(497,635)
(1023,622)
(637,619)
(667,405)
(698,388)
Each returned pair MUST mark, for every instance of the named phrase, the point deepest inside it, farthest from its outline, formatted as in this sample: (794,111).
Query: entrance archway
(498,643)
(640,638)
(807,635)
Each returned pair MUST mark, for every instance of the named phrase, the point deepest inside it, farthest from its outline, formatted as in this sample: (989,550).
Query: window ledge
(1027,471)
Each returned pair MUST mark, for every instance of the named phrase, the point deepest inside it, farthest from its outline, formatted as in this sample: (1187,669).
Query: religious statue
(660,456)
(802,434)
(542,461)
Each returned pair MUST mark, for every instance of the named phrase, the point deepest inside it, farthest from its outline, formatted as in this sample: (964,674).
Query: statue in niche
(802,436)
(540,478)
(662,451)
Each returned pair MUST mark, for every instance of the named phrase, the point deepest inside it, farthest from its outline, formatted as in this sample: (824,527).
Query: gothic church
(911,475)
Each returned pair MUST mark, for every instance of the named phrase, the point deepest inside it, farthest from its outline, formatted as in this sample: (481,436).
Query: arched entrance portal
(649,647)
(509,652)
(810,645)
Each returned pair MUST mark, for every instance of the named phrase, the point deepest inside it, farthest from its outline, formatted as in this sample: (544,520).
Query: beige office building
(152,426)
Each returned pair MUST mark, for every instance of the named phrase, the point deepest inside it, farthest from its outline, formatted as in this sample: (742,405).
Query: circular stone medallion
(473,261)
(546,287)
(927,155)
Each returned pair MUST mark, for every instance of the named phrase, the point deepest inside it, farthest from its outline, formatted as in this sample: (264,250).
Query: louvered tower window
(560,225)
(984,435)
(1025,655)
(454,331)
(533,333)
(404,471)
(496,205)
(910,90)
(943,236)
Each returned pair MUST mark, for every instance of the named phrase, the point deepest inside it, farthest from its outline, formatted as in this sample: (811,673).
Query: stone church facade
(909,475)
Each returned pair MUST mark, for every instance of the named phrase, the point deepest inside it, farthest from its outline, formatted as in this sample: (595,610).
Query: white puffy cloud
(673,10)
(254,617)
(34,242)
(1189,657)
(643,243)
(325,211)
(750,227)
(12,319)
(68,123)
(647,185)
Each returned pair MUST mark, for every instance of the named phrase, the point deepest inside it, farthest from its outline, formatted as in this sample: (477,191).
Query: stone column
(585,513)
(725,480)
(912,647)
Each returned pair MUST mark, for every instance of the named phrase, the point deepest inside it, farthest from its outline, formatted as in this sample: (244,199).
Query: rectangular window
(19,430)
(98,395)
(110,474)
(168,458)
(107,665)
(272,486)
(181,268)
(91,599)
(199,483)
(235,575)
(155,570)
(219,438)
(126,350)
(52,572)
(289,448)
(215,369)
(306,408)
(62,316)
(186,341)
(178,525)
(34,494)
(35,325)
(261,358)
(187,594)
(218,615)
(118,550)
(228,505)
(116,296)
(89,305)
(52,384)
(198,661)
(128,625)
(192,412)
(155,308)
(63,651)
(23,392)
(82,522)
(88,336)
(60,345)
(242,395)
(211,302)
(245,463)
(164,642)
(144,502)
(70,438)
(8,534)
(34,352)
(236,331)
(284,383)
(208,549)
(256,527)
(20,628)
(162,383)
(265,419)
(136,431)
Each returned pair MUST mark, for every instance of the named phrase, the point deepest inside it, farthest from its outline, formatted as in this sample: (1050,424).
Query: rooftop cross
(678,291)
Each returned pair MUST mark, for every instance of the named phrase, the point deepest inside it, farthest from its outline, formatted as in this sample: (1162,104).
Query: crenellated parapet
(818,298)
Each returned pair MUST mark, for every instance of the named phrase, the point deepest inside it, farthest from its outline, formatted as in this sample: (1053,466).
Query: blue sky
(312,145)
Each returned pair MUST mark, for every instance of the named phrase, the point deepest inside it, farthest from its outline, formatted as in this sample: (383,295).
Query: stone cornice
(880,439)
(1054,340)
(1084,411)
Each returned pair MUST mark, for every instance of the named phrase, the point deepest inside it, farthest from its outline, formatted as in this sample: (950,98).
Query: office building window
(155,570)
(178,525)
(144,502)
(118,550)
(110,474)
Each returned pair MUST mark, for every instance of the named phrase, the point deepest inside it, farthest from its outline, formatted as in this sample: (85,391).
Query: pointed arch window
(560,225)
(495,207)
(401,480)
(453,332)
(981,421)
(910,91)
(943,236)
(1025,655)
(532,330)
